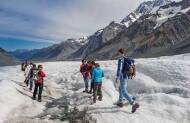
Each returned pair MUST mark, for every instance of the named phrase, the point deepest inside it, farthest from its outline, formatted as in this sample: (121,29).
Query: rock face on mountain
(99,39)
(141,40)
(56,52)
(7,59)
(185,3)
(147,7)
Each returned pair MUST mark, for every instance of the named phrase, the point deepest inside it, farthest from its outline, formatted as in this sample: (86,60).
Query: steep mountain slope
(99,39)
(162,32)
(113,30)
(6,58)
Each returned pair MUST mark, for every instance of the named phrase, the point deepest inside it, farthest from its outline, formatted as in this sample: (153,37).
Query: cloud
(56,20)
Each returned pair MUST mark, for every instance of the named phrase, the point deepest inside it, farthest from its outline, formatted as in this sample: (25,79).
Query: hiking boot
(85,91)
(94,101)
(120,104)
(100,98)
(34,98)
(90,92)
(134,107)
(39,100)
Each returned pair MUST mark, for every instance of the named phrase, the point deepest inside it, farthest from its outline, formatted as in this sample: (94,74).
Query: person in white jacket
(27,73)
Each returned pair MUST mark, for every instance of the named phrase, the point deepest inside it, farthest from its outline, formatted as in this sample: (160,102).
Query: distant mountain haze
(55,52)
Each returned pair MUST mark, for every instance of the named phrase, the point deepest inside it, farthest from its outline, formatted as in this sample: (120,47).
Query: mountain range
(6,58)
(155,28)
(55,52)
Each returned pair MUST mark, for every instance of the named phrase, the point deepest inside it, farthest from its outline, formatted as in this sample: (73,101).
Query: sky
(53,21)
(12,44)
(57,20)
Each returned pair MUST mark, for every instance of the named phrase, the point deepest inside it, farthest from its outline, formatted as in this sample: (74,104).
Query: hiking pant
(86,81)
(31,83)
(92,87)
(123,93)
(38,88)
(97,91)
(27,82)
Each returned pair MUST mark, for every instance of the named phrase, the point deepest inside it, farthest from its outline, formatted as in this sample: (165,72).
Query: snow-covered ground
(162,88)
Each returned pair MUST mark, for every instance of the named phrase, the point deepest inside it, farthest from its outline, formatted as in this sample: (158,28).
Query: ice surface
(162,88)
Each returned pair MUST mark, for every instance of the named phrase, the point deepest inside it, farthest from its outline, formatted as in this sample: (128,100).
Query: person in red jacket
(39,83)
(84,69)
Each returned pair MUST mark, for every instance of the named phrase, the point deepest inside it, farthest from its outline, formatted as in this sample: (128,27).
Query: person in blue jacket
(121,79)
(97,76)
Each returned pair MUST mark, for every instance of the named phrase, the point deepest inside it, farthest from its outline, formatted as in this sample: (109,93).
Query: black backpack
(129,68)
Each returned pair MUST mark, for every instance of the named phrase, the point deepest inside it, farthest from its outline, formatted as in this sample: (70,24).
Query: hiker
(27,73)
(84,69)
(24,65)
(124,73)
(89,63)
(33,76)
(92,82)
(39,83)
(97,76)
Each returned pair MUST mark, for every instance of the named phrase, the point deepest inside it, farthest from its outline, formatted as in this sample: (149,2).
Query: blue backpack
(129,68)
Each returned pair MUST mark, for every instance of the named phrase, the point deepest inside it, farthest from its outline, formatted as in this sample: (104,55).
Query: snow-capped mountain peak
(160,2)
(82,40)
(147,7)
(150,6)
(169,11)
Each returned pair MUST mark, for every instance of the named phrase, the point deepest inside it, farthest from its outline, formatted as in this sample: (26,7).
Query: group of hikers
(34,75)
(92,73)
(92,70)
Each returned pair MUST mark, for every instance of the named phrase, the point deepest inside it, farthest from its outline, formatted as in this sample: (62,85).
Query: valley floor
(162,88)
